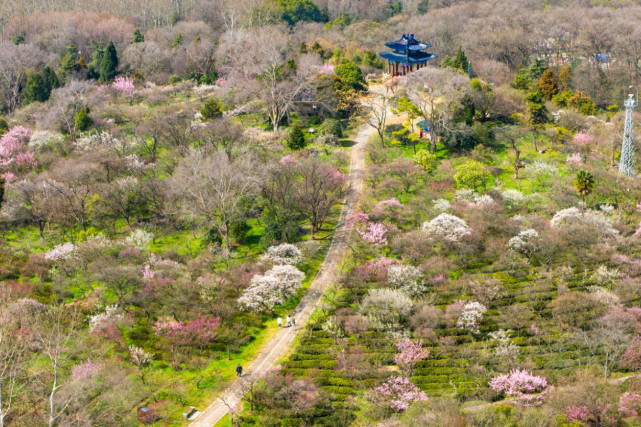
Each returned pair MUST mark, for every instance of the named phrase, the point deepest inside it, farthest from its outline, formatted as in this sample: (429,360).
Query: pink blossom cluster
(326,69)
(220,81)
(288,160)
(639,207)
(200,331)
(400,393)
(629,404)
(123,85)
(375,234)
(374,269)
(521,384)
(358,218)
(85,370)
(411,352)
(583,138)
(8,177)
(575,160)
(147,273)
(577,413)
(12,148)
(391,203)
(437,279)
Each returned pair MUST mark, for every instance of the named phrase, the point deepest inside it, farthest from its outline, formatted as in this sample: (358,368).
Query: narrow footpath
(280,344)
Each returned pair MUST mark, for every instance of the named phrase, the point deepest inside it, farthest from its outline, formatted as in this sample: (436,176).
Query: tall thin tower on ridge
(626,166)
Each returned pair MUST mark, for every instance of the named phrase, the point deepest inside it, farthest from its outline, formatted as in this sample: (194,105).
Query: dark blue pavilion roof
(407,43)
(412,58)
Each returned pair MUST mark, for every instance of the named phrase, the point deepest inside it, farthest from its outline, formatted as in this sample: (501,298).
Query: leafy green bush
(331,126)
(4,126)
(238,231)
(211,110)
(212,237)
(82,120)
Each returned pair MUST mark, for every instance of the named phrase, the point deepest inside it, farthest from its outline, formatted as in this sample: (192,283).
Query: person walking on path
(280,322)
(294,323)
(289,321)
(239,371)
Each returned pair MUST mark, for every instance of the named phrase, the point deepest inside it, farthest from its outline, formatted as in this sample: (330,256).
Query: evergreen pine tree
(69,63)
(36,89)
(51,80)
(584,183)
(303,48)
(548,85)
(17,39)
(138,37)
(565,74)
(109,64)
(4,126)
(296,140)
(178,40)
(460,60)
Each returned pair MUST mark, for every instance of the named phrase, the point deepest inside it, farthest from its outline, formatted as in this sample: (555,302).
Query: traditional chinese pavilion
(407,55)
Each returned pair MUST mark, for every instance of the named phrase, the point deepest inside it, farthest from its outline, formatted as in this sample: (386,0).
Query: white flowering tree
(596,220)
(470,317)
(447,227)
(272,288)
(407,278)
(386,308)
(60,252)
(285,253)
(525,243)
(140,239)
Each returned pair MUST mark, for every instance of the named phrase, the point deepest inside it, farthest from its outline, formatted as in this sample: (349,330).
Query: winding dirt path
(280,344)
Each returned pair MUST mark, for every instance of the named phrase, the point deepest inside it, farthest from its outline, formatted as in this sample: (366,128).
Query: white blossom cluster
(406,277)
(471,316)
(541,170)
(483,200)
(441,205)
(285,253)
(272,288)
(134,163)
(447,227)
(99,139)
(465,194)
(573,216)
(604,276)
(504,345)
(40,139)
(140,239)
(98,320)
(61,252)
(386,307)
(603,296)
(525,242)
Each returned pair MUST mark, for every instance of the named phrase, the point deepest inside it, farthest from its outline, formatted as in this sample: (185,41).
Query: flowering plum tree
(123,85)
(274,287)
(406,277)
(375,234)
(200,331)
(400,393)
(373,270)
(285,253)
(528,388)
(140,358)
(140,239)
(629,404)
(447,227)
(574,160)
(577,413)
(525,242)
(13,148)
(411,352)
(471,316)
(61,252)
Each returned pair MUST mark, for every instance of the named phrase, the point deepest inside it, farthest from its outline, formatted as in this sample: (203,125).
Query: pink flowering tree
(124,85)
(577,413)
(326,69)
(629,404)
(374,234)
(374,270)
(13,150)
(399,393)
(361,218)
(585,141)
(391,208)
(574,160)
(527,388)
(199,332)
(410,353)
